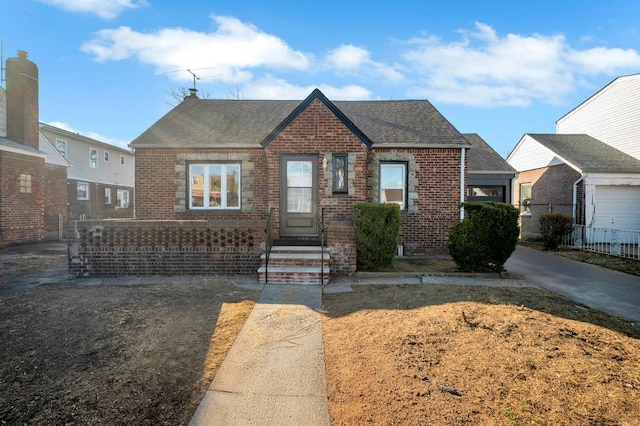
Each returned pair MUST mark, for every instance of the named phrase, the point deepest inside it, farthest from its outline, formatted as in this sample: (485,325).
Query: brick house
(31,174)
(578,175)
(228,163)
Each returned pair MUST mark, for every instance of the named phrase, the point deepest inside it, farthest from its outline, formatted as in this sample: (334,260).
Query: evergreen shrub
(377,234)
(485,238)
(554,227)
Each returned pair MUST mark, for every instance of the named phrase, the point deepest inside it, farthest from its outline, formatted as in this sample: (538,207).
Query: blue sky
(496,68)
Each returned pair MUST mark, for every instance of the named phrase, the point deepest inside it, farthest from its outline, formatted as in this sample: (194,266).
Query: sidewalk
(274,373)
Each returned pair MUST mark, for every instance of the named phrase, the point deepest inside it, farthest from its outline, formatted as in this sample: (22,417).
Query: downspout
(575,196)
(462,158)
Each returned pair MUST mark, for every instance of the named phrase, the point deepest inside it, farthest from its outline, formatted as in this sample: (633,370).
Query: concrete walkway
(274,373)
(609,291)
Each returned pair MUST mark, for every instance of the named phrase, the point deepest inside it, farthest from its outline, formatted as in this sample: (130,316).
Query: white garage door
(618,207)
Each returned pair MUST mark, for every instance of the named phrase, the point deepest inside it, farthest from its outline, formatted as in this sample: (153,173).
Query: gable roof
(483,158)
(588,154)
(220,123)
(316,94)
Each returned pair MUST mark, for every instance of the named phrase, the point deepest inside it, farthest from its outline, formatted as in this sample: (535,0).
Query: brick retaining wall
(101,248)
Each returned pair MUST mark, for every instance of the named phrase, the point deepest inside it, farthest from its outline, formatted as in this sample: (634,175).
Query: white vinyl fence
(615,242)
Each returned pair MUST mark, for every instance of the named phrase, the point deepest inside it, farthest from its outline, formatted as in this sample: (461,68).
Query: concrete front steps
(295,265)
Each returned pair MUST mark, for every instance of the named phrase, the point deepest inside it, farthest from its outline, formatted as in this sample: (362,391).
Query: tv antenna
(193,90)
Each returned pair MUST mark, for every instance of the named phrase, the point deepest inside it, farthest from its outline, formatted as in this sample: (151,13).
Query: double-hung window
(61,146)
(393,184)
(82,189)
(122,200)
(93,158)
(214,186)
(525,198)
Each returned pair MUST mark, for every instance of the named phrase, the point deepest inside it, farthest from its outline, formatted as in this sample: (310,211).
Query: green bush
(554,227)
(485,238)
(377,234)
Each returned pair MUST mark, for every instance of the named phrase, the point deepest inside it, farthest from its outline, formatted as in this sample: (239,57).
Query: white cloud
(273,88)
(92,135)
(485,69)
(601,60)
(356,61)
(106,9)
(229,53)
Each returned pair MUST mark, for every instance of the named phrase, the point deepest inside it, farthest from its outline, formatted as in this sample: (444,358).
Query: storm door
(298,196)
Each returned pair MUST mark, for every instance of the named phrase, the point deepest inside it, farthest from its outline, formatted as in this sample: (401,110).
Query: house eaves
(586,154)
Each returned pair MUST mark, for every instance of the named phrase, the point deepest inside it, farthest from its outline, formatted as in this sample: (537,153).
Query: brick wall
(55,198)
(133,247)
(433,195)
(551,191)
(317,131)
(21,207)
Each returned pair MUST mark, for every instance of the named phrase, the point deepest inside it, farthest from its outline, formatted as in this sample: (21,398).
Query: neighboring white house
(612,115)
(101,177)
(592,163)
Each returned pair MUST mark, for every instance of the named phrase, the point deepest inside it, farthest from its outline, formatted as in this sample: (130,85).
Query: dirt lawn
(439,355)
(420,354)
(114,355)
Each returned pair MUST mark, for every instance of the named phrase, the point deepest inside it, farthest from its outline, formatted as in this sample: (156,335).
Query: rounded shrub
(553,228)
(485,238)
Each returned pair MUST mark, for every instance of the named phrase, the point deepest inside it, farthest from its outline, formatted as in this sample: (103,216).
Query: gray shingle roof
(588,153)
(247,123)
(482,158)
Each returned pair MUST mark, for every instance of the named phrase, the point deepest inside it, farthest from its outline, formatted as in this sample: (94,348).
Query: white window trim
(106,156)
(223,189)
(404,166)
(122,160)
(107,195)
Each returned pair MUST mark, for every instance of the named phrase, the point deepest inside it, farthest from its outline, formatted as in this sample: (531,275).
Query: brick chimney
(22,100)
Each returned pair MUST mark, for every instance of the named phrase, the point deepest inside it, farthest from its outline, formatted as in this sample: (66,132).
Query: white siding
(107,172)
(611,115)
(529,155)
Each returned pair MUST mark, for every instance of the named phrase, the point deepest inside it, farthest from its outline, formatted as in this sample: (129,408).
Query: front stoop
(296,265)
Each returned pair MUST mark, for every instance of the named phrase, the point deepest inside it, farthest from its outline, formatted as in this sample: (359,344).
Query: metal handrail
(323,230)
(268,236)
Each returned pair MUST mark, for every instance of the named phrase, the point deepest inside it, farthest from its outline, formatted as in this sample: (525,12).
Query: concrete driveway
(600,288)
